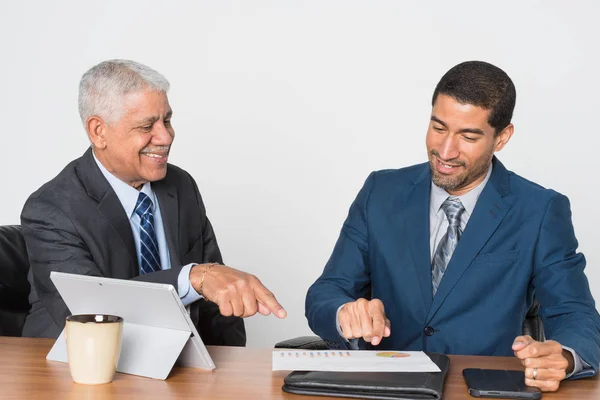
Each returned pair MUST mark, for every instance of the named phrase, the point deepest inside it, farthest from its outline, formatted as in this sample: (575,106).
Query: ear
(96,129)
(503,137)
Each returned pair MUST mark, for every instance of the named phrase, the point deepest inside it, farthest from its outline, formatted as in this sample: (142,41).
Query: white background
(282,108)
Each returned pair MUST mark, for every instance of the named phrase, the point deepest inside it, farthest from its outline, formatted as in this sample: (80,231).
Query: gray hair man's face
(136,147)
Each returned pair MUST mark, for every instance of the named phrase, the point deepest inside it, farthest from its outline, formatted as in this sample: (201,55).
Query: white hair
(102,88)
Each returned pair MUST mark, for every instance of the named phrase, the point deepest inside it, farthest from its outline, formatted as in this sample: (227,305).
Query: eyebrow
(152,120)
(476,131)
(146,121)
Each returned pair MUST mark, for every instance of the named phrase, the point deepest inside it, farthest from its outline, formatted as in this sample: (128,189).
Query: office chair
(14,287)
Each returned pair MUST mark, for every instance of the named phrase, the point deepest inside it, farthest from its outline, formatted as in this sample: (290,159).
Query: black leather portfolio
(371,385)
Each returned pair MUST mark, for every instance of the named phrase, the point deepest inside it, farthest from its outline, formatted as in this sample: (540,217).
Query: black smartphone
(499,383)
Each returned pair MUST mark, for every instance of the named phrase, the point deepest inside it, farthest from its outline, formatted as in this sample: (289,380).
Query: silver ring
(534,374)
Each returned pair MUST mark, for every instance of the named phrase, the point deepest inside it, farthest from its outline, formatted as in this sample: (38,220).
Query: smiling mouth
(158,158)
(448,165)
(159,153)
(445,168)
(155,155)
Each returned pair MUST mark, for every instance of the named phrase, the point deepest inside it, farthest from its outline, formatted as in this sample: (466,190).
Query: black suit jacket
(75,223)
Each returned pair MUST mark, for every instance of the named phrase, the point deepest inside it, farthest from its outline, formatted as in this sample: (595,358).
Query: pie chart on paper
(392,354)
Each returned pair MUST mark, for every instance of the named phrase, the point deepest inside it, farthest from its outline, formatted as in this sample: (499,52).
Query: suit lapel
(111,207)
(169,209)
(99,189)
(487,215)
(416,219)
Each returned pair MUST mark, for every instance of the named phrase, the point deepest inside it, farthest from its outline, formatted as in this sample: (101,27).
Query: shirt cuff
(353,343)
(578,364)
(186,291)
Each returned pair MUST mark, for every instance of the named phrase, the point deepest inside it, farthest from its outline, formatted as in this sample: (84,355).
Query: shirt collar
(127,195)
(468,200)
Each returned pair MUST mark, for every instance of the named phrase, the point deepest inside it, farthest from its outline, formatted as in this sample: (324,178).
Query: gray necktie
(453,209)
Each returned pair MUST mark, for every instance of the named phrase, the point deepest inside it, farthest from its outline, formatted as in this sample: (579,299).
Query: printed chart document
(353,361)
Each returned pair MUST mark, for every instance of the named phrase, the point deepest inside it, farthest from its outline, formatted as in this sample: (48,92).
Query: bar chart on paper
(353,361)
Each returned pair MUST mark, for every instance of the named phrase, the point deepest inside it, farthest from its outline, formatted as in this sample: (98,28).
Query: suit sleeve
(567,306)
(214,328)
(53,244)
(346,276)
(211,247)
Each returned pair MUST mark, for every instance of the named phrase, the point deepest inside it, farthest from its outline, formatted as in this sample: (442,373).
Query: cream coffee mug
(93,347)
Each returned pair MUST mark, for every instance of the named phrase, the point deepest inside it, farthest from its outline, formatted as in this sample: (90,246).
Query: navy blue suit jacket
(518,242)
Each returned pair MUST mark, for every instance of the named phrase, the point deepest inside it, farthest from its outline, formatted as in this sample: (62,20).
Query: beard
(462,179)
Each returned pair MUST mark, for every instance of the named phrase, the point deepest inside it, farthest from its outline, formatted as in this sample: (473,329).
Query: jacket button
(429,331)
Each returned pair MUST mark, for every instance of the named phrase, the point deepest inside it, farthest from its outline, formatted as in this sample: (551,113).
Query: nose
(449,148)
(163,136)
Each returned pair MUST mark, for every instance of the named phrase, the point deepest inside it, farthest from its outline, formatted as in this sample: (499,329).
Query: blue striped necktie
(453,209)
(150,258)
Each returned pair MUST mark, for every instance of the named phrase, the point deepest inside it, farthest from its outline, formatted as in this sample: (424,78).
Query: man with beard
(446,256)
(120,211)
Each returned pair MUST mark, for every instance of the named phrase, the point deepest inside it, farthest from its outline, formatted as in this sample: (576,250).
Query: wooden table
(242,373)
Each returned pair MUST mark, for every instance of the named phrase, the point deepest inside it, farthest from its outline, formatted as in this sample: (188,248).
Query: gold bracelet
(209,266)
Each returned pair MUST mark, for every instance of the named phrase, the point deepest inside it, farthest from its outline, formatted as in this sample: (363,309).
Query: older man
(121,211)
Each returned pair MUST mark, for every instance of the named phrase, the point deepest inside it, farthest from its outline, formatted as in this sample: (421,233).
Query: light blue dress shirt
(438,222)
(128,197)
(438,225)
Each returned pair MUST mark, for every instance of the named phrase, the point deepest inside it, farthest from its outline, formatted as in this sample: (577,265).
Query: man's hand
(235,292)
(546,363)
(364,319)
